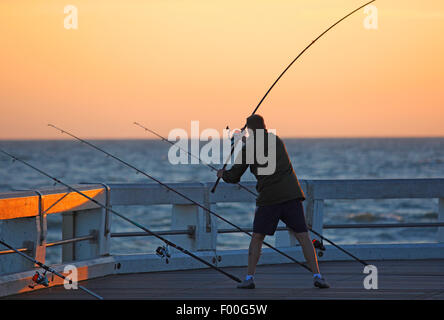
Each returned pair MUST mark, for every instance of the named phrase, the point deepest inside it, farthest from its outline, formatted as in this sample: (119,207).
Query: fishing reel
(39,278)
(164,253)
(320,246)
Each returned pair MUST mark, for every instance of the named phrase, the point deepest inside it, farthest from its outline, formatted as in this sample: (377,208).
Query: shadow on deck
(412,279)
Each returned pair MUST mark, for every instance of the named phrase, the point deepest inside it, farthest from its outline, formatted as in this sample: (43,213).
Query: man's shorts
(266,218)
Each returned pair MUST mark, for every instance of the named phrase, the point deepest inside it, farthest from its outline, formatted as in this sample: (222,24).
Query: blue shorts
(266,218)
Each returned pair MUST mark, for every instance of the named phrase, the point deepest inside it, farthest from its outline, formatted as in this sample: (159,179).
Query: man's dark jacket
(278,187)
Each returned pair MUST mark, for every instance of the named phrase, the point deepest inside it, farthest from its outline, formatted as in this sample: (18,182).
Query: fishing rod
(167,242)
(280,76)
(192,155)
(178,193)
(255,194)
(41,278)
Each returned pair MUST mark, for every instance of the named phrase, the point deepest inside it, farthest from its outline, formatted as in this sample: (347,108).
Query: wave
(425,216)
(372,217)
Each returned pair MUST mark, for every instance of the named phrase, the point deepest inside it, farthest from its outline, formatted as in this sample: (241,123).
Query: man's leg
(308,250)
(310,256)
(254,252)
(293,216)
(266,219)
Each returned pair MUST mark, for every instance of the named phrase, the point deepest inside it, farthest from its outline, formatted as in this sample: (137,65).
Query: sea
(338,158)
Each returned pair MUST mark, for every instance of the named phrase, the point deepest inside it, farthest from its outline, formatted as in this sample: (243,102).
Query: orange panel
(23,207)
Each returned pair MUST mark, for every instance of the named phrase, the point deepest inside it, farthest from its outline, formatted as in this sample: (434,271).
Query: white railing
(86,227)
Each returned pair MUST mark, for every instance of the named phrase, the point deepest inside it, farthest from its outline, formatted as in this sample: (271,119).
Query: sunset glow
(166,63)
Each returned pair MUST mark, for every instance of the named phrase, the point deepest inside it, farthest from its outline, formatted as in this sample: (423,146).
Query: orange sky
(164,63)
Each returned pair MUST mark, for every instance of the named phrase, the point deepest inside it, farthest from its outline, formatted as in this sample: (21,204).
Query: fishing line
(280,76)
(252,192)
(41,279)
(192,155)
(178,193)
(167,242)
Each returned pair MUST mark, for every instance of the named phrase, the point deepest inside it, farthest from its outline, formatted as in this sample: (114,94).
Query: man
(280,198)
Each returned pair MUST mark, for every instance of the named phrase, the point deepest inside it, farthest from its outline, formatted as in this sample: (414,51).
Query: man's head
(255,122)
(261,147)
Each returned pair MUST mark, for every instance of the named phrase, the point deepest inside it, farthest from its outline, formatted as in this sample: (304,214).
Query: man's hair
(255,122)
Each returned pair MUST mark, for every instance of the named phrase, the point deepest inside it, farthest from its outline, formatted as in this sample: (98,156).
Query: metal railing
(191,227)
(190,232)
(54,244)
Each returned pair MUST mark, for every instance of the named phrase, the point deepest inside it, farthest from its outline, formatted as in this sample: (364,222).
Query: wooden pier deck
(407,279)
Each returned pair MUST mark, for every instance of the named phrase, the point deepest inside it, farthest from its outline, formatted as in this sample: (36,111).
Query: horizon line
(283,137)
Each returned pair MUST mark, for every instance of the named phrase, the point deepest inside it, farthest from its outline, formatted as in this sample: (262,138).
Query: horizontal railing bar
(246,229)
(351,226)
(327,226)
(190,232)
(12,251)
(179,232)
(383,225)
(376,189)
(144,234)
(152,194)
(66,241)
(53,244)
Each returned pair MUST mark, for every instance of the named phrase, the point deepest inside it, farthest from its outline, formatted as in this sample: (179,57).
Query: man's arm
(234,174)
(236,171)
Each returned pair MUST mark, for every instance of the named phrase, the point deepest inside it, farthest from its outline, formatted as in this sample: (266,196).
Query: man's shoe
(320,283)
(246,284)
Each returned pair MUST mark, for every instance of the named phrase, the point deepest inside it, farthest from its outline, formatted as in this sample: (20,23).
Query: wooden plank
(418,279)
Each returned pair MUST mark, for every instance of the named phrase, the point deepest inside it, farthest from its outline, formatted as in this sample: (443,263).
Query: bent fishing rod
(192,155)
(252,192)
(178,193)
(167,242)
(280,76)
(41,279)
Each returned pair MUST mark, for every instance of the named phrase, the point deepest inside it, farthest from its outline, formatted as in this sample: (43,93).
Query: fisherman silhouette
(280,198)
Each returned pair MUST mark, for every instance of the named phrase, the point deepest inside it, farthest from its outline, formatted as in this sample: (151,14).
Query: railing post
(315,216)
(83,223)
(441,219)
(104,232)
(314,211)
(68,232)
(30,233)
(207,237)
(95,222)
(41,225)
(190,216)
(19,233)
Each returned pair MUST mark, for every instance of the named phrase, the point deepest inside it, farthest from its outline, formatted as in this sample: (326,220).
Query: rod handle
(225,165)
(215,185)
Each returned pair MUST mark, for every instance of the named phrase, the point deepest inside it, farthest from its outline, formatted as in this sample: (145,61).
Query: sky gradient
(164,63)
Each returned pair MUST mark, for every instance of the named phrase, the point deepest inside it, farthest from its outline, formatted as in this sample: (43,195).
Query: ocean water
(74,162)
